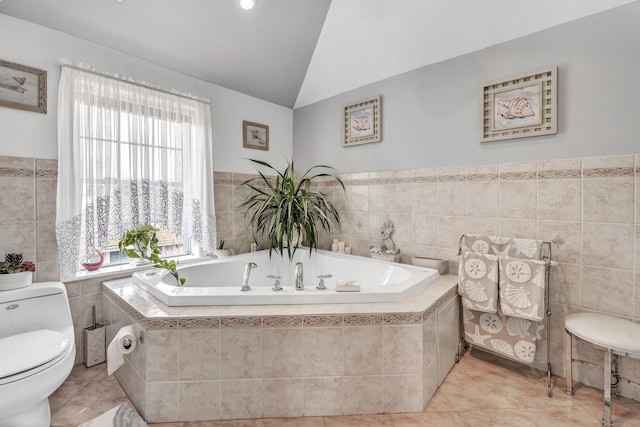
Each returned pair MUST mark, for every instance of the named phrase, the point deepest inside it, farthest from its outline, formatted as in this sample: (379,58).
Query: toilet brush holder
(94,342)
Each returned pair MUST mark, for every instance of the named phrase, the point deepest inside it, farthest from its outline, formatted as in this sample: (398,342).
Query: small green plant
(13,263)
(141,242)
(221,245)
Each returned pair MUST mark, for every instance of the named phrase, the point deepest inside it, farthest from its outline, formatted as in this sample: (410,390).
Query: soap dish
(347,286)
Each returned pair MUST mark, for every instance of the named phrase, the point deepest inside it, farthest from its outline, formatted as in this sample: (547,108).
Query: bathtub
(218,281)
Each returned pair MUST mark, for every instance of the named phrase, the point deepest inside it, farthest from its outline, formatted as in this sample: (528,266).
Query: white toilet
(37,352)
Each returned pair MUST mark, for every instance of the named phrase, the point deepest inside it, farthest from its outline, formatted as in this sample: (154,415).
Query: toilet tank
(39,306)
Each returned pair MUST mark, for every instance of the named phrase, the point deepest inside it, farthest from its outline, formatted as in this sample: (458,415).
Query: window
(130,155)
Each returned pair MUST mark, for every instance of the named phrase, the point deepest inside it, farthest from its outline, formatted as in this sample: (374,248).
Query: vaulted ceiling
(297,52)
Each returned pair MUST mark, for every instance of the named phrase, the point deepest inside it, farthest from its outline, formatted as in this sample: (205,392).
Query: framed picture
(519,107)
(362,122)
(23,87)
(255,135)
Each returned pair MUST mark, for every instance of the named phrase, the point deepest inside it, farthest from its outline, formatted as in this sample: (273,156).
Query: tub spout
(299,277)
(247,272)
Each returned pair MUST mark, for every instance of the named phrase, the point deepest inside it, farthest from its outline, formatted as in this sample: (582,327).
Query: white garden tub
(218,281)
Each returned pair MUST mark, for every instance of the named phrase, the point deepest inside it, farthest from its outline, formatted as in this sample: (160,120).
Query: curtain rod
(125,79)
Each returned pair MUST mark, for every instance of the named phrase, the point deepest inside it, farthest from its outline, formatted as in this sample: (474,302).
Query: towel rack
(546,257)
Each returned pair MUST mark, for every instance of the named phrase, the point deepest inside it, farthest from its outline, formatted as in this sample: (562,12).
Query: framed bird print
(255,135)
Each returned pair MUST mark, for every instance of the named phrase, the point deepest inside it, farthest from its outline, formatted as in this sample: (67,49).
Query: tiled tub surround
(226,362)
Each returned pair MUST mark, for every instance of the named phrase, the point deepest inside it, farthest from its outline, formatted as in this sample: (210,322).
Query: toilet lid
(23,352)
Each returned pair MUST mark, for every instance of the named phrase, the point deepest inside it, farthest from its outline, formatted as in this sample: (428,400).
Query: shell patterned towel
(510,337)
(522,288)
(478,281)
(503,246)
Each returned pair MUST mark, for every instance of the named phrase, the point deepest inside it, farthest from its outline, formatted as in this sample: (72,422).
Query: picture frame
(23,87)
(255,135)
(519,106)
(362,122)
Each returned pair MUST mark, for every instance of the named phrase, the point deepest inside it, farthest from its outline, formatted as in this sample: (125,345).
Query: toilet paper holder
(127,343)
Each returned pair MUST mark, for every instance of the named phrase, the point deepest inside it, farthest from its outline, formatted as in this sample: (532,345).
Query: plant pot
(385,257)
(15,280)
(139,261)
(223,253)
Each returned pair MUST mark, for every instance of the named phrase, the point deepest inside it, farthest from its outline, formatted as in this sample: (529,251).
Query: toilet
(37,351)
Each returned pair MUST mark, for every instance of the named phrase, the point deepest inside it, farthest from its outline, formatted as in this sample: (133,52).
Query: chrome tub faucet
(247,272)
(299,277)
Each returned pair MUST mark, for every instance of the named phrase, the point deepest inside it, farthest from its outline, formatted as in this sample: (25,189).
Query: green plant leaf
(284,207)
(141,242)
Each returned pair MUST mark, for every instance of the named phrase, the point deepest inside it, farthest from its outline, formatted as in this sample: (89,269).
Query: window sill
(127,269)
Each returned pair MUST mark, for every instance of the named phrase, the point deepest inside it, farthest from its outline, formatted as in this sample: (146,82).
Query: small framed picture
(255,135)
(23,87)
(362,122)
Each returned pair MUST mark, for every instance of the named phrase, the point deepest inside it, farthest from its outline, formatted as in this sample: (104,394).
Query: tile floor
(481,390)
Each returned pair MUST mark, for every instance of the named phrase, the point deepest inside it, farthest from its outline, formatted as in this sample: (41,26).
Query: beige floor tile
(481,390)
(92,400)
(624,412)
(290,422)
(496,418)
(64,393)
(232,423)
(468,395)
(359,420)
(439,403)
(82,373)
(562,417)
(431,419)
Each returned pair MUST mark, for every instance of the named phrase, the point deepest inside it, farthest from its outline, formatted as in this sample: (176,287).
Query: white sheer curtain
(129,155)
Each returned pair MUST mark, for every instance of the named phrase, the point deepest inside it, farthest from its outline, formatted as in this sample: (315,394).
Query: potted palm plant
(283,208)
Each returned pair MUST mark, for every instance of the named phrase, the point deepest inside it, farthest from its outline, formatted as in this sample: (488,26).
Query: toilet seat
(38,350)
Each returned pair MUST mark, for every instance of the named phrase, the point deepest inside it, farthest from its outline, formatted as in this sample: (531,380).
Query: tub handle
(276,286)
(321,286)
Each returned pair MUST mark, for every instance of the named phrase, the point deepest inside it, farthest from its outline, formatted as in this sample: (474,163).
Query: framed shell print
(519,107)
(362,122)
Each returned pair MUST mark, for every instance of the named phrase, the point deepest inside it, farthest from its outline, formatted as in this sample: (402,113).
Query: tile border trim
(294,321)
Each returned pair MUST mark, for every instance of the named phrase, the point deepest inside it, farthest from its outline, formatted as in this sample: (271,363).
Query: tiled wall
(27,221)
(588,208)
(28,212)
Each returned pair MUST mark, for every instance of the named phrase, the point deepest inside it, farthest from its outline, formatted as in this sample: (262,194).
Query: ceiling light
(247,4)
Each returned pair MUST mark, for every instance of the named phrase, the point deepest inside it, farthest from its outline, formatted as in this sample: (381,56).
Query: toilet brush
(94,342)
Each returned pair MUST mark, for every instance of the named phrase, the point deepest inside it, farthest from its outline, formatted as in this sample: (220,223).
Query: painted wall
(430,115)
(28,134)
